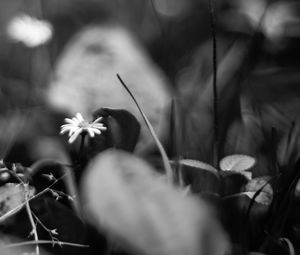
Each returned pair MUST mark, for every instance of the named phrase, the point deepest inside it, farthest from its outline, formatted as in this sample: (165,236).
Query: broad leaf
(128,199)
(261,185)
(199,164)
(237,163)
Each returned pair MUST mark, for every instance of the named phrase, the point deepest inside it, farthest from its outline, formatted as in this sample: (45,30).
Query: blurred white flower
(30,31)
(280,19)
(276,20)
(253,10)
(78,125)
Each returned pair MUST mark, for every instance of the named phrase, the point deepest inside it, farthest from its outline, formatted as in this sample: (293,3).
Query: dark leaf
(123,130)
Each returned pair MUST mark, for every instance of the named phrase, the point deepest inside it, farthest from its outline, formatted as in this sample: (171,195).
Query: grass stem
(166,162)
(215,88)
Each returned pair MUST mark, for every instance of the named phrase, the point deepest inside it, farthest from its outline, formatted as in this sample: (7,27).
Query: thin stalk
(12,211)
(81,147)
(166,162)
(28,210)
(47,242)
(175,137)
(69,181)
(215,89)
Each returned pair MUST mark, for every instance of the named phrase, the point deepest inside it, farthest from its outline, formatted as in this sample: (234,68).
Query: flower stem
(81,147)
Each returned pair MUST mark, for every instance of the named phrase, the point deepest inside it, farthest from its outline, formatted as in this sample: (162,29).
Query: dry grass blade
(69,179)
(15,209)
(60,243)
(32,223)
(169,171)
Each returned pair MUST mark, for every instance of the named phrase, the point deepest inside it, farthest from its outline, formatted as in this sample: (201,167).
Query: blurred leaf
(237,163)
(125,197)
(11,251)
(123,129)
(10,127)
(265,196)
(276,20)
(85,77)
(12,198)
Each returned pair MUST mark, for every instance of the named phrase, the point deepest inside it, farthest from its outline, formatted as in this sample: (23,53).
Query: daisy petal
(72,131)
(97,125)
(95,130)
(63,131)
(79,117)
(97,120)
(67,126)
(76,121)
(91,132)
(70,121)
(75,135)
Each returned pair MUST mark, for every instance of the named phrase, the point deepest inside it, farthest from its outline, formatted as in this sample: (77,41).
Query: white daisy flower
(78,125)
(30,31)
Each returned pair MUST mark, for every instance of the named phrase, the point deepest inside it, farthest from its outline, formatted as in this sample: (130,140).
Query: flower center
(84,124)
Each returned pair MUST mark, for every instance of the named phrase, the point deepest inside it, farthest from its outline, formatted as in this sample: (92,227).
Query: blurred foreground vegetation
(235,183)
